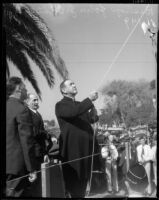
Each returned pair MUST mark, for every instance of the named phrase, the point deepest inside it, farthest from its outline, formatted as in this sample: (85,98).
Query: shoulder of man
(63,100)
(147,146)
(138,147)
(17,104)
(57,104)
(40,116)
(24,111)
(60,101)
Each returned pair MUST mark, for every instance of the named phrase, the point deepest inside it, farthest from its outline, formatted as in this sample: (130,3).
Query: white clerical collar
(35,111)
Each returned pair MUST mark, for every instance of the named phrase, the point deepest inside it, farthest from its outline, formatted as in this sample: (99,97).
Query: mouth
(74,89)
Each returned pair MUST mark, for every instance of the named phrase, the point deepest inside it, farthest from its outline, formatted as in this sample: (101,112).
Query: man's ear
(26,101)
(64,91)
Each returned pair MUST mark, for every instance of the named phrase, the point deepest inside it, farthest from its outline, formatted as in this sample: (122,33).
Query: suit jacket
(132,159)
(20,152)
(40,135)
(76,138)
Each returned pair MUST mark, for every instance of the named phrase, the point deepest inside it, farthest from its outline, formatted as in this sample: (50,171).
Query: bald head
(33,101)
(68,87)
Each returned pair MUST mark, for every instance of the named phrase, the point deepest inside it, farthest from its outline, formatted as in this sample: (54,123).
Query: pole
(148,136)
(157,55)
(127,155)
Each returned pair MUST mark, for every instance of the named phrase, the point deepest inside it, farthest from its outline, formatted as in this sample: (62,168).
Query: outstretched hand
(93,96)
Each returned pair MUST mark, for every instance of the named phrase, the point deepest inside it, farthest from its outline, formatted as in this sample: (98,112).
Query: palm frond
(39,58)
(29,24)
(53,52)
(21,61)
(25,26)
(57,61)
(43,64)
(27,32)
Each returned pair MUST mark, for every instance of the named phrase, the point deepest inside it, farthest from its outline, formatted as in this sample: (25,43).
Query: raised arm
(70,110)
(92,115)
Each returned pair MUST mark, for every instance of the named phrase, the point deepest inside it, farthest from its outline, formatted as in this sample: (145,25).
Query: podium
(52,180)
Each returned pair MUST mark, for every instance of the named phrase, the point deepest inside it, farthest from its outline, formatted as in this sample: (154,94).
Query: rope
(120,50)
(59,164)
(90,181)
(77,159)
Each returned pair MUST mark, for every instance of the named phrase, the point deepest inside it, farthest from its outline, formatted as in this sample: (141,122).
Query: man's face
(33,102)
(142,141)
(110,138)
(22,89)
(70,88)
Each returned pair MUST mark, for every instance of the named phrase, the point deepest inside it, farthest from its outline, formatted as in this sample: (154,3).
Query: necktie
(142,153)
(37,114)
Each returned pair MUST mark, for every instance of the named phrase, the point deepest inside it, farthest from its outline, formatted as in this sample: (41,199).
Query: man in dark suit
(43,141)
(20,152)
(76,139)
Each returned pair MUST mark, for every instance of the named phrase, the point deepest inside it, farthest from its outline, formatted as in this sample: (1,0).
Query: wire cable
(122,47)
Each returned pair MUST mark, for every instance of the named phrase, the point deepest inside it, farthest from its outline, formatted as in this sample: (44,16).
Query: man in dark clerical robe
(76,139)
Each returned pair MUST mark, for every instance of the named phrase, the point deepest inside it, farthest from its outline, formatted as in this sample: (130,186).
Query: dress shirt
(33,110)
(153,153)
(113,152)
(144,156)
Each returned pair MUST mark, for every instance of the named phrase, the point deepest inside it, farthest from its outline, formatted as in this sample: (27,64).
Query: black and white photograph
(81,99)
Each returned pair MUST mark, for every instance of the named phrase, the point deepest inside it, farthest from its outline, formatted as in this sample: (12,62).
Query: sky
(89,37)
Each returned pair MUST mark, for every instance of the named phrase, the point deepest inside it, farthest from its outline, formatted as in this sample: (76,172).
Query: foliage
(51,128)
(50,123)
(27,36)
(133,103)
(152,84)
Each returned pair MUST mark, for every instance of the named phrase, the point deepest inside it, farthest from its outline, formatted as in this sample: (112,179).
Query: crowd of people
(136,163)
(28,145)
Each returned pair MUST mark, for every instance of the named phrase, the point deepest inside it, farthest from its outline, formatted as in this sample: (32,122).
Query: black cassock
(76,138)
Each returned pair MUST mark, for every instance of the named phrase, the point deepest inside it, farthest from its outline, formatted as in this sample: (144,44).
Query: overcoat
(40,135)
(76,138)
(20,151)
